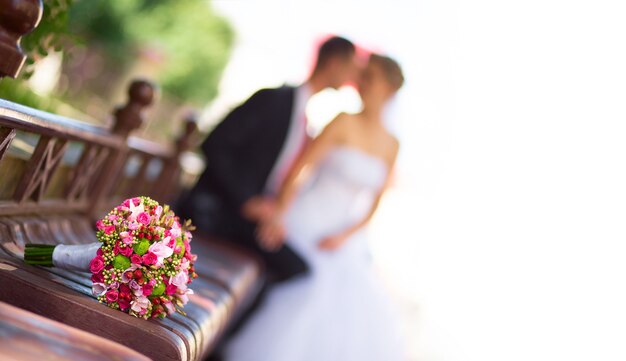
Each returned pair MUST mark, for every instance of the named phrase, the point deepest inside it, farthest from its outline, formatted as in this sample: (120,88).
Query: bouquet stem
(70,257)
(39,254)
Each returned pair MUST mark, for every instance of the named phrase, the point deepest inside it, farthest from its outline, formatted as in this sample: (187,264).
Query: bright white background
(504,237)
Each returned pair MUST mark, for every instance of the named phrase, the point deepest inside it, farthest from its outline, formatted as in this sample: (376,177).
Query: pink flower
(109,229)
(149,259)
(126,251)
(112,296)
(99,252)
(134,285)
(135,259)
(143,218)
(147,289)
(100,225)
(170,290)
(97,264)
(112,217)
(127,239)
(132,225)
(127,275)
(158,211)
(114,285)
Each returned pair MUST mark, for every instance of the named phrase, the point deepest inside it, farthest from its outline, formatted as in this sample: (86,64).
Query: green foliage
(141,247)
(49,35)
(193,39)
(16,90)
(121,262)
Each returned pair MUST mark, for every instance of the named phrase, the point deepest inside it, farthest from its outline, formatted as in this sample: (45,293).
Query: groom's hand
(258,208)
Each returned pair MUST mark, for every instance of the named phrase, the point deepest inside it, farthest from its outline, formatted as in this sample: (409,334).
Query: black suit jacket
(240,154)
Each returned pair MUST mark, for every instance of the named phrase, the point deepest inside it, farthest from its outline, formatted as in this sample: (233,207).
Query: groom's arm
(222,146)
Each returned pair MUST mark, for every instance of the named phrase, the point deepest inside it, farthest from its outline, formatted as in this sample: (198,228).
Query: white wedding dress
(339,311)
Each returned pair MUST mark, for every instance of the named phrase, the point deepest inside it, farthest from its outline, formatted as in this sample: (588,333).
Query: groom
(249,153)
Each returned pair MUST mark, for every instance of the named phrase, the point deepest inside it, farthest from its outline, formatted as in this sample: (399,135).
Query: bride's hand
(332,243)
(271,234)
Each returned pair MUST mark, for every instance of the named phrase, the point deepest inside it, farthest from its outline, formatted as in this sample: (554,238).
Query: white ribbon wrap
(74,257)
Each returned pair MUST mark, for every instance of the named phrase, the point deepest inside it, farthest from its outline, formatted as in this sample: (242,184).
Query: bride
(339,310)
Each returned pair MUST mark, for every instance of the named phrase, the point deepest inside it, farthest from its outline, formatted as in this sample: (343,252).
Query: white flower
(161,250)
(129,269)
(135,210)
(140,303)
(183,296)
(175,231)
(98,289)
(170,307)
(180,280)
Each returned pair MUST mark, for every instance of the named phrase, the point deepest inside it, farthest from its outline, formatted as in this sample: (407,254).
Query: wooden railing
(99,166)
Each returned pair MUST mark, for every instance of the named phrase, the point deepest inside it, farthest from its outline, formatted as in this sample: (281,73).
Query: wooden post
(127,118)
(164,188)
(17,18)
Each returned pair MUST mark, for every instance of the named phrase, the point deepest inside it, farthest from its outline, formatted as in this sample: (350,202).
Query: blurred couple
(301,204)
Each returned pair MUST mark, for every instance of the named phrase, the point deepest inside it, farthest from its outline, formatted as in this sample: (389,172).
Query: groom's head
(335,62)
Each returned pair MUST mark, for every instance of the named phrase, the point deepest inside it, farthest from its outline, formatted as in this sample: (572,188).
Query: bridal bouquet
(142,264)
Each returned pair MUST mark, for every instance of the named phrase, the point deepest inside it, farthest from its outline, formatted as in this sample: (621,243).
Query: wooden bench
(27,336)
(58,175)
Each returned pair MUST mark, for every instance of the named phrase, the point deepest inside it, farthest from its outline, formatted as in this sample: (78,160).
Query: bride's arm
(337,240)
(271,233)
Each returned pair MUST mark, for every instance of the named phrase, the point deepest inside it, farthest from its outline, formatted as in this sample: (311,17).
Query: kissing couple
(302,205)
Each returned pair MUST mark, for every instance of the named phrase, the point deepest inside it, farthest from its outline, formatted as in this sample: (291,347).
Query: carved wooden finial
(130,116)
(17,18)
(190,128)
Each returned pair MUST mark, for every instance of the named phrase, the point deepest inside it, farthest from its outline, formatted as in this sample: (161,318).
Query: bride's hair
(391,70)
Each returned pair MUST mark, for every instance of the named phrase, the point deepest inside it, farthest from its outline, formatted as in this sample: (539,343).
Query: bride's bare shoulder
(340,124)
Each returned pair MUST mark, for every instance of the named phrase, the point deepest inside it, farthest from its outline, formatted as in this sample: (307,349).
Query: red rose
(135,259)
(138,273)
(97,278)
(112,295)
(97,264)
(149,258)
(124,304)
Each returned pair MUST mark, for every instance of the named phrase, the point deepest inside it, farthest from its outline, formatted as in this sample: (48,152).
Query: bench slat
(29,337)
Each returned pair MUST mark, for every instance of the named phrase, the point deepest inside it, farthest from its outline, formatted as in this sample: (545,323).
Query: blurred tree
(49,35)
(194,42)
